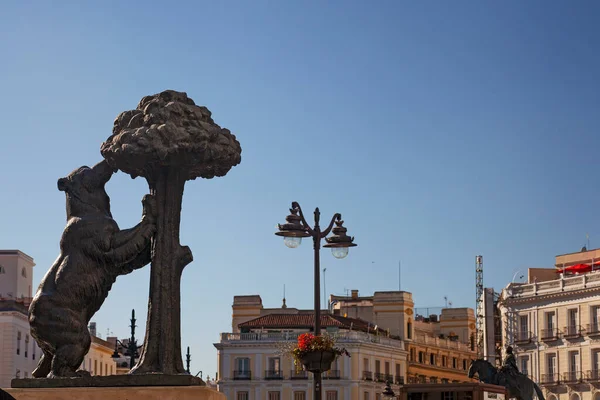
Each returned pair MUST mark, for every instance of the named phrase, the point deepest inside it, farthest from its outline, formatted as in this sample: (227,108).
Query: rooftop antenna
(446,300)
(324,288)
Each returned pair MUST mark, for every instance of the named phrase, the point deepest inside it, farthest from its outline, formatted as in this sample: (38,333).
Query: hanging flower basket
(315,353)
(318,361)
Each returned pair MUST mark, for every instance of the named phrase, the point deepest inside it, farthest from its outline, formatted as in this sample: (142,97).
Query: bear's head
(85,192)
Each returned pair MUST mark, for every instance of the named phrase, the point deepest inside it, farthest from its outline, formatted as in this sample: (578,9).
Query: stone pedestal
(118,393)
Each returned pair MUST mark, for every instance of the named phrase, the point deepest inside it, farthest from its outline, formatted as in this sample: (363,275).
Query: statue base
(113,381)
(118,393)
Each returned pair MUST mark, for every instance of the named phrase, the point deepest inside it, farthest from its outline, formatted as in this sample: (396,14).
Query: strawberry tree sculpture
(168,140)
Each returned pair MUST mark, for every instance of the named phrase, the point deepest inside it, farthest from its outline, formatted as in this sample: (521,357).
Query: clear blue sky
(439,130)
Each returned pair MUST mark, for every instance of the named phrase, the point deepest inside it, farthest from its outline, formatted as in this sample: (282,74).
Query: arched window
(24,273)
(2,270)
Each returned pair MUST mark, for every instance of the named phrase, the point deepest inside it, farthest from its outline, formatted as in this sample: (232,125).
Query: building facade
(251,364)
(19,352)
(553,323)
(440,346)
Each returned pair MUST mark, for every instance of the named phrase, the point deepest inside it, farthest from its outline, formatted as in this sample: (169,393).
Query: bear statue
(93,253)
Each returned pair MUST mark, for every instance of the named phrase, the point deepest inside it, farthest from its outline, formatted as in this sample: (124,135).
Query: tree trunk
(162,344)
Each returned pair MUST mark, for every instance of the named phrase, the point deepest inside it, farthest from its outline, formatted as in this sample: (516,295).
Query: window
(409,330)
(33,351)
(274,396)
(551,364)
(331,395)
(366,396)
(18,374)
(274,365)
(242,368)
(432,359)
(387,368)
(398,371)
(444,361)
(573,361)
(244,396)
(377,366)
(523,327)
(18,342)
(26,344)
(299,395)
(377,396)
(365,364)
(2,270)
(465,365)
(448,396)
(573,322)
(454,362)
(595,319)
(24,273)
(412,354)
(95,368)
(421,357)
(550,322)
(525,365)
(433,379)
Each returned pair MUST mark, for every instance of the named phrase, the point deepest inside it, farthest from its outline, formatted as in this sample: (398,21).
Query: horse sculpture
(519,386)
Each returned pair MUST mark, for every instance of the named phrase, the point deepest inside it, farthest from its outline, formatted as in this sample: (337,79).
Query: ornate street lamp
(297,228)
(388,393)
(131,347)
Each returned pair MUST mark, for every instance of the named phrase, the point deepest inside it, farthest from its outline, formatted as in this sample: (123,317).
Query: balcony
(331,374)
(550,379)
(340,337)
(523,338)
(298,374)
(549,335)
(572,332)
(242,375)
(367,376)
(272,374)
(592,376)
(593,329)
(399,380)
(571,377)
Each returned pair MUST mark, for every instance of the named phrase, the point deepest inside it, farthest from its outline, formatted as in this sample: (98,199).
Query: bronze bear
(93,253)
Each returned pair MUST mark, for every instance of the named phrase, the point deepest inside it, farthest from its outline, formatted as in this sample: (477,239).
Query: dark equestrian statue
(519,386)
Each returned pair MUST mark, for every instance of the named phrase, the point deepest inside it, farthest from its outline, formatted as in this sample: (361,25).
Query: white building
(20,354)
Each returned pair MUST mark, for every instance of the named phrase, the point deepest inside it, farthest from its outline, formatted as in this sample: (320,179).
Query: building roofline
(15,253)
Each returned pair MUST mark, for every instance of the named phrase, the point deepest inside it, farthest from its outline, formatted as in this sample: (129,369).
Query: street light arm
(337,217)
(304,223)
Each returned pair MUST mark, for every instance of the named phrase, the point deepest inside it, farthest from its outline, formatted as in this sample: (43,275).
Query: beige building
(19,351)
(440,346)
(251,366)
(553,322)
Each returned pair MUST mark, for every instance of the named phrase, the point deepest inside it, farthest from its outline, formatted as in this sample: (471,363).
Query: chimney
(354,294)
(92,328)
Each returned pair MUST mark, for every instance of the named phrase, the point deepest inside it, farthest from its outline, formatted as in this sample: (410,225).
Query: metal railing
(550,379)
(593,329)
(523,337)
(399,380)
(331,374)
(550,334)
(298,374)
(273,374)
(572,331)
(592,375)
(367,375)
(571,377)
(242,375)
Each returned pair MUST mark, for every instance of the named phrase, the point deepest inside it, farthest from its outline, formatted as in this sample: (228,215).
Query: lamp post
(297,228)
(388,393)
(131,347)
(188,360)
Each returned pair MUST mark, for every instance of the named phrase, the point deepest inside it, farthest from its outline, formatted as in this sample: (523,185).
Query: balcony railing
(242,375)
(592,376)
(572,332)
(332,374)
(550,379)
(571,377)
(340,337)
(593,329)
(367,375)
(298,374)
(273,374)
(399,380)
(550,334)
(520,290)
(523,337)
(379,377)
